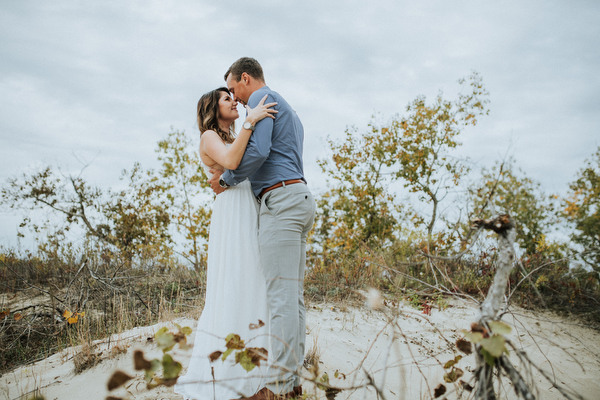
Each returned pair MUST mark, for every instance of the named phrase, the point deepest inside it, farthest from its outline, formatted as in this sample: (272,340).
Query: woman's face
(228,108)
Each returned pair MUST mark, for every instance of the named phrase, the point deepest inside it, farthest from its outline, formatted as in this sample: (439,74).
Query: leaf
(164,339)
(234,342)
(244,360)
(453,362)
(150,372)
(453,375)
(117,379)
(474,337)
(139,362)
(171,368)
(17,316)
(439,390)
(72,320)
(226,354)
(489,359)
(494,345)
(330,393)
(465,346)
(500,327)
(186,330)
(466,386)
(325,379)
(257,354)
(67,314)
(475,327)
(256,326)
(215,355)
(4,314)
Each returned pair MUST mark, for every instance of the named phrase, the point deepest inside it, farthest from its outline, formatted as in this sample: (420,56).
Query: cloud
(107,80)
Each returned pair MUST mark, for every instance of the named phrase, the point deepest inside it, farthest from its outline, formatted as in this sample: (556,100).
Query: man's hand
(214,181)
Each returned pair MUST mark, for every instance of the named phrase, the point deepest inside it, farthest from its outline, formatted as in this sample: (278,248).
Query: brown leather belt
(280,184)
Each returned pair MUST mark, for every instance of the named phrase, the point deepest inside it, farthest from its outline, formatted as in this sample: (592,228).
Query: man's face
(239,90)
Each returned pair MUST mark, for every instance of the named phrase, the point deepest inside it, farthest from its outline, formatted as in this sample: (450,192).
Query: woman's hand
(261,111)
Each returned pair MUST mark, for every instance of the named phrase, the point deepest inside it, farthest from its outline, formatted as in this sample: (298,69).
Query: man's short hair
(248,65)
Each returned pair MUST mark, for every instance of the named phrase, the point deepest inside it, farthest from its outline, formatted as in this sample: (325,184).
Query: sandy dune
(355,342)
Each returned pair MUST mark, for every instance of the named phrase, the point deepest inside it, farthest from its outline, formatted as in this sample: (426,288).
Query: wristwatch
(248,125)
(222,183)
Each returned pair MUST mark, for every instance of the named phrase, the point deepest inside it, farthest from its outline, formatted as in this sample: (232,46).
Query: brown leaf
(215,355)
(169,382)
(234,342)
(180,338)
(330,393)
(464,345)
(256,326)
(257,354)
(17,316)
(439,390)
(466,386)
(475,327)
(453,375)
(139,362)
(4,314)
(117,379)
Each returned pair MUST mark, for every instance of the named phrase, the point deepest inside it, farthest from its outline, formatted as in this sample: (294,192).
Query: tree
(517,195)
(139,217)
(425,138)
(414,150)
(357,209)
(132,220)
(582,208)
(183,180)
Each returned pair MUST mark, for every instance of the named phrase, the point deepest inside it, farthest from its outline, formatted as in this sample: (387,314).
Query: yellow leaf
(67,314)
(474,337)
(494,345)
(72,320)
(499,327)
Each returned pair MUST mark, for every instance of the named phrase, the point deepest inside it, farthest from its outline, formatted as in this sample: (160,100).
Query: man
(273,163)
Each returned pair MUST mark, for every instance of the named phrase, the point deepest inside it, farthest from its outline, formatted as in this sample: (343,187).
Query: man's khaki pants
(286,216)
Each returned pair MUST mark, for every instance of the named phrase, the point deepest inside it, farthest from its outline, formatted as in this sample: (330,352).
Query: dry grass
(107,297)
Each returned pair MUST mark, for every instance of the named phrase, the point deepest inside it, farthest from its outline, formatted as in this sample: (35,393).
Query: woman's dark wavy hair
(208,114)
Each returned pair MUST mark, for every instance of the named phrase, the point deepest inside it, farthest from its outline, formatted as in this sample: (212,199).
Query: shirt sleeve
(258,148)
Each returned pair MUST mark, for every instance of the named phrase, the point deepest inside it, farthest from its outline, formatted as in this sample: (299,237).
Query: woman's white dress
(235,299)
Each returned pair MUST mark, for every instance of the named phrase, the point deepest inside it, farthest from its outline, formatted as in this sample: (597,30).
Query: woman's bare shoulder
(207,139)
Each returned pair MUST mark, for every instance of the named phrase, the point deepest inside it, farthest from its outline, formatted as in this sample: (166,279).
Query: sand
(354,345)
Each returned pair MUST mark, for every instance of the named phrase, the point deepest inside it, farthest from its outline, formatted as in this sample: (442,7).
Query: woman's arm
(213,147)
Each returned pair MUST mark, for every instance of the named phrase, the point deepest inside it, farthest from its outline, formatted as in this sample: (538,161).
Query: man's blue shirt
(274,151)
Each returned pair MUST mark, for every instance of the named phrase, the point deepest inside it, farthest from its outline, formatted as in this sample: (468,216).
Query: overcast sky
(103,81)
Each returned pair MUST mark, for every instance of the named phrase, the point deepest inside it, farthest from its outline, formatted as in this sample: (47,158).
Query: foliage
(424,138)
(415,150)
(138,217)
(132,220)
(247,357)
(166,341)
(183,181)
(515,194)
(582,209)
(358,210)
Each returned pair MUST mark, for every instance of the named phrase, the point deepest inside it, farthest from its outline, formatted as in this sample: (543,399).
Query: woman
(235,288)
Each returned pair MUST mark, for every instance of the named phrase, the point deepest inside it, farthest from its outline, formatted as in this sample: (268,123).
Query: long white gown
(235,298)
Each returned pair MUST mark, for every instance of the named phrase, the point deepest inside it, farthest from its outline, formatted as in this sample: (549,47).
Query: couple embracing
(261,217)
